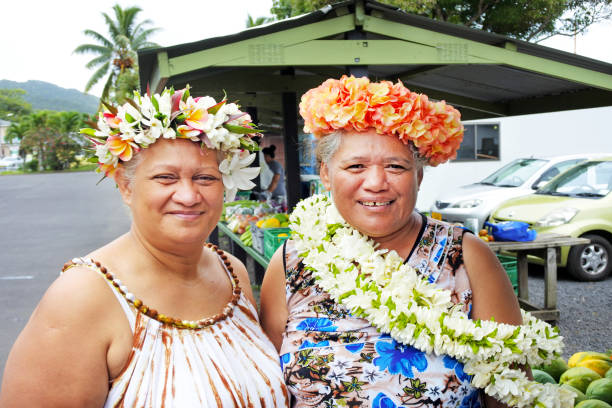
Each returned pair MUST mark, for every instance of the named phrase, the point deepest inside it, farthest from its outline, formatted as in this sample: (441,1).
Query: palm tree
(116,53)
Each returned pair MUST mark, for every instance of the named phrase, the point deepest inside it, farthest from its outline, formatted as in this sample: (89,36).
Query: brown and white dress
(230,363)
(331,358)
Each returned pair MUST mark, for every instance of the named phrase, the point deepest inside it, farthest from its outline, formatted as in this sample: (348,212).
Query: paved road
(45,220)
(48,219)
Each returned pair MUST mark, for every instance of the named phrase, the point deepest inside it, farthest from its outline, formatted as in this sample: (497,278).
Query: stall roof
(483,74)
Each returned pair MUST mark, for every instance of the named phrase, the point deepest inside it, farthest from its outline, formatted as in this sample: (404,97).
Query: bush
(32,165)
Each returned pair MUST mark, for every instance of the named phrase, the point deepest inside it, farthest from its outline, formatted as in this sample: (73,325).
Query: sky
(37,38)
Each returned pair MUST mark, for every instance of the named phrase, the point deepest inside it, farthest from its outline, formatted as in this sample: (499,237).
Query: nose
(186,193)
(375,179)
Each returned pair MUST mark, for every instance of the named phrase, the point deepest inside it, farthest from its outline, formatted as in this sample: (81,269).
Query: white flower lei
(376,285)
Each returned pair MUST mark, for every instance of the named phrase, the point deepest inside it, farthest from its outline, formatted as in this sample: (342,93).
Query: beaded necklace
(227,311)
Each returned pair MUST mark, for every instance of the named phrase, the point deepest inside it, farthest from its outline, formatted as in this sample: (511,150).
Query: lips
(187,215)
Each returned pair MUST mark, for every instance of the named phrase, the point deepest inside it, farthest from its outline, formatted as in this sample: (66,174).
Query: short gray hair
(328,145)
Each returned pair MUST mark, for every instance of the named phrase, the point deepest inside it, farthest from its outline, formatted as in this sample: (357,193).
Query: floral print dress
(332,359)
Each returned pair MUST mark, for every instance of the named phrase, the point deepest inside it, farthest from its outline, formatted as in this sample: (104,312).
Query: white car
(517,178)
(11,163)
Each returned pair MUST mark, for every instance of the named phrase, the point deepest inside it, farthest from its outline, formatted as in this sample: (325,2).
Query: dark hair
(269,150)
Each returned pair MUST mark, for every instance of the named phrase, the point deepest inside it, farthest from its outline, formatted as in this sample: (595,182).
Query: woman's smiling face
(176,193)
(374,180)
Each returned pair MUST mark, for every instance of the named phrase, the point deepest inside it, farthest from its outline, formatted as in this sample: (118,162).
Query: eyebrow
(387,159)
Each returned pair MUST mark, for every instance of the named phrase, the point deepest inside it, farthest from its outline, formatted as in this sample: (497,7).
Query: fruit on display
(579,377)
(247,236)
(608,373)
(579,394)
(587,355)
(600,366)
(600,390)
(484,235)
(542,377)
(592,403)
(557,367)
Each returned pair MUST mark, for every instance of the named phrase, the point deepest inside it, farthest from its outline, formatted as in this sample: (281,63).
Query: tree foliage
(253,22)
(115,54)
(531,20)
(12,104)
(52,137)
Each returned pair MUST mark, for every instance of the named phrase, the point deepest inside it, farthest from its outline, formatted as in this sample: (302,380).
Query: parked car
(577,203)
(11,163)
(517,178)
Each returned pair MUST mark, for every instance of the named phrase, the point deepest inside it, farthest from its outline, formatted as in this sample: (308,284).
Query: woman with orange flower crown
(156,318)
(373,304)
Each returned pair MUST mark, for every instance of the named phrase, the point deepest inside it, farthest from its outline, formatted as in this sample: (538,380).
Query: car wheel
(590,262)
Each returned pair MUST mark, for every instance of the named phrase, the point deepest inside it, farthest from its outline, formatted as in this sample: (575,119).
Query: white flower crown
(122,131)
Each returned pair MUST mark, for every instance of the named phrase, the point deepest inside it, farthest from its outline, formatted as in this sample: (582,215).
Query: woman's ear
(124,185)
(324,174)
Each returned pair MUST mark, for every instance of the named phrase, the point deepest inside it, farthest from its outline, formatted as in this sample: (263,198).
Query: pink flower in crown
(196,117)
(123,149)
(112,120)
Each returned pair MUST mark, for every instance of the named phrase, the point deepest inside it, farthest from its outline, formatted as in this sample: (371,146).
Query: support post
(550,279)
(290,138)
(522,275)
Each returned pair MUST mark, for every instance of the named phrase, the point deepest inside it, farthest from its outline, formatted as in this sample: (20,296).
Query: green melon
(591,403)
(555,369)
(579,394)
(608,373)
(601,390)
(542,376)
(579,377)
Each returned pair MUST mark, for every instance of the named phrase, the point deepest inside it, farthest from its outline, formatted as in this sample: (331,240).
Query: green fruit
(281,217)
(579,377)
(542,377)
(555,369)
(601,390)
(591,403)
(579,394)
(608,373)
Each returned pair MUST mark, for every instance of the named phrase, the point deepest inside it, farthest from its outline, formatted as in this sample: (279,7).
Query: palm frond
(92,49)
(103,70)
(107,87)
(102,59)
(98,37)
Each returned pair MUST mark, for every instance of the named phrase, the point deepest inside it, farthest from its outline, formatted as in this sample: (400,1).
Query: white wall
(548,134)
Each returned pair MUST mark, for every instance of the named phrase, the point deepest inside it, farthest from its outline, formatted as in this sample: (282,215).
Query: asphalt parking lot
(47,219)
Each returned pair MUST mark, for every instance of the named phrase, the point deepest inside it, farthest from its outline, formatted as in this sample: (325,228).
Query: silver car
(11,163)
(472,204)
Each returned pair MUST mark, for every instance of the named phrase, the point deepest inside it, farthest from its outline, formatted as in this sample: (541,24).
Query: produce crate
(272,241)
(258,238)
(509,264)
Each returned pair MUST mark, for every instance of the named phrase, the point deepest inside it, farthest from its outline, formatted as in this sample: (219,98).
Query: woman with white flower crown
(103,334)
(373,304)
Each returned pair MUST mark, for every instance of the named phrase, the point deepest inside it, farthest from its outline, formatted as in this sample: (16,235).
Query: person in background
(276,189)
(156,318)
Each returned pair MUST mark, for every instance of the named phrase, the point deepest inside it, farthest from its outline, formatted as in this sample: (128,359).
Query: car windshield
(591,179)
(514,173)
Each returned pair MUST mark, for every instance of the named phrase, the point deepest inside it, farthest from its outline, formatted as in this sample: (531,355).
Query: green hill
(46,96)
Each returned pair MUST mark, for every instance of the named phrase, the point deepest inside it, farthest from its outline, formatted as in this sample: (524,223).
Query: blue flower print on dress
(399,358)
(310,344)
(317,324)
(355,348)
(450,362)
(471,401)
(284,359)
(383,401)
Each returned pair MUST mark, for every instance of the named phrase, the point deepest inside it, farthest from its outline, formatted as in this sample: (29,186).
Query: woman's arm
(492,291)
(272,299)
(60,357)
(273,183)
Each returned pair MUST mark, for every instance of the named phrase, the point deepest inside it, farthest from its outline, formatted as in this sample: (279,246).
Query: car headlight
(557,217)
(474,202)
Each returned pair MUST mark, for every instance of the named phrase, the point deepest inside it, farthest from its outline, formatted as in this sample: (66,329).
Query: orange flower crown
(357,104)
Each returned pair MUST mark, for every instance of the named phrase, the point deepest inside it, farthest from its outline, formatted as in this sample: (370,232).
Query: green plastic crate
(509,264)
(272,241)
